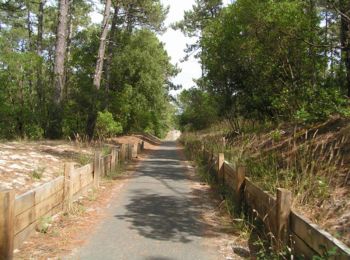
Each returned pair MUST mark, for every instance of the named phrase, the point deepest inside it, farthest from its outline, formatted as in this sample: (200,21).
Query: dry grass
(314,163)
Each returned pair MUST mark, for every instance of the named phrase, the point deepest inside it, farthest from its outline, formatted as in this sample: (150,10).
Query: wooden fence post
(129,152)
(221,162)
(68,186)
(113,155)
(142,145)
(97,170)
(283,209)
(102,167)
(240,179)
(123,152)
(7,223)
(116,158)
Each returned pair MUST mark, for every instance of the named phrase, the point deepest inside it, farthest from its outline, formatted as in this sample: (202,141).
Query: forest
(273,98)
(64,76)
(268,61)
(265,61)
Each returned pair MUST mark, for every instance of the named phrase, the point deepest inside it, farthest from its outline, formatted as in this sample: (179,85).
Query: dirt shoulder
(224,232)
(68,232)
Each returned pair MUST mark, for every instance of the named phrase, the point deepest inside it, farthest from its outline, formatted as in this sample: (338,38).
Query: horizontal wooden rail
(20,215)
(308,239)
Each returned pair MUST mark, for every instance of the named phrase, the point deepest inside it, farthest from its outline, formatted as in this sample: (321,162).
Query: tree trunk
(345,39)
(111,47)
(129,18)
(39,49)
(61,43)
(101,50)
(68,47)
(55,110)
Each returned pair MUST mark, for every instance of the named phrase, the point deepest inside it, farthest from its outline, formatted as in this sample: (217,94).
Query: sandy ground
(68,233)
(26,165)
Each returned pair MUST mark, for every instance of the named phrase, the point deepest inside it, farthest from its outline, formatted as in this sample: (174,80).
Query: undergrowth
(119,170)
(309,169)
(249,226)
(305,164)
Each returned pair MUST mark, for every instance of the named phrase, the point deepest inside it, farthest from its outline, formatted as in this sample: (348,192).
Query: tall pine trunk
(93,109)
(102,48)
(345,39)
(111,47)
(68,71)
(61,43)
(56,110)
(39,49)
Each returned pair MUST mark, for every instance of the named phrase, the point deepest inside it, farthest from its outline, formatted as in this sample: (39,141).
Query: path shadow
(158,258)
(166,218)
(159,214)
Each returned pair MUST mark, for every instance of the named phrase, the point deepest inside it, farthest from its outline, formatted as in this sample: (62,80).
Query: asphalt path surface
(155,217)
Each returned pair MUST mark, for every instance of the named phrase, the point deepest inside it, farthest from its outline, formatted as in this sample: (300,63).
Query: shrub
(106,126)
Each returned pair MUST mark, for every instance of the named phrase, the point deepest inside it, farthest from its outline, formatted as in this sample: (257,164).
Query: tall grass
(309,169)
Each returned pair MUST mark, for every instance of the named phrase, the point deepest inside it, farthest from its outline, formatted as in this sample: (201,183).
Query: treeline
(62,75)
(265,60)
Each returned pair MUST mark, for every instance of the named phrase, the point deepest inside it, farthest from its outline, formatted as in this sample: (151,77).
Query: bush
(106,126)
(322,103)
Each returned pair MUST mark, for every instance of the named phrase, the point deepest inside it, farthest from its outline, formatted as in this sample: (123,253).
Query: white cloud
(175,41)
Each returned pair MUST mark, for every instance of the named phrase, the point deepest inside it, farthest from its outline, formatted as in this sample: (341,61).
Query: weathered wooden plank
(48,189)
(220,168)
(229,175)
(283,209)
(31,215)
(113,158)
(76,184)
(82,192)
(97,169)
(33,197)
(134,150)
(107,164)
(24,201)
(88,168)
(235,179)
(29,230)
(7,201)
(102,168)
(68,186)
(301,249)
(262,203)
(317,239)
(86,179)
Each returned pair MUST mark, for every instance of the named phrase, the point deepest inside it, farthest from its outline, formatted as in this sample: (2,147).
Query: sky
(175,42)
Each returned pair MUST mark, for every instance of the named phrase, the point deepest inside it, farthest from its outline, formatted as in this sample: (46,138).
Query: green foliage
(106,126)
(269,60)
(141,100)
(199,110)
(37,174)
(329,102)
(44,224)
(276,135)
(136,78)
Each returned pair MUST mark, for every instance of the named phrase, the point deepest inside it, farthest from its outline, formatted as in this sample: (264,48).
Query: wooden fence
(286,226)
(20,215)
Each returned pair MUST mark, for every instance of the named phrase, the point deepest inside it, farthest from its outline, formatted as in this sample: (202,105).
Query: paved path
(155,217)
